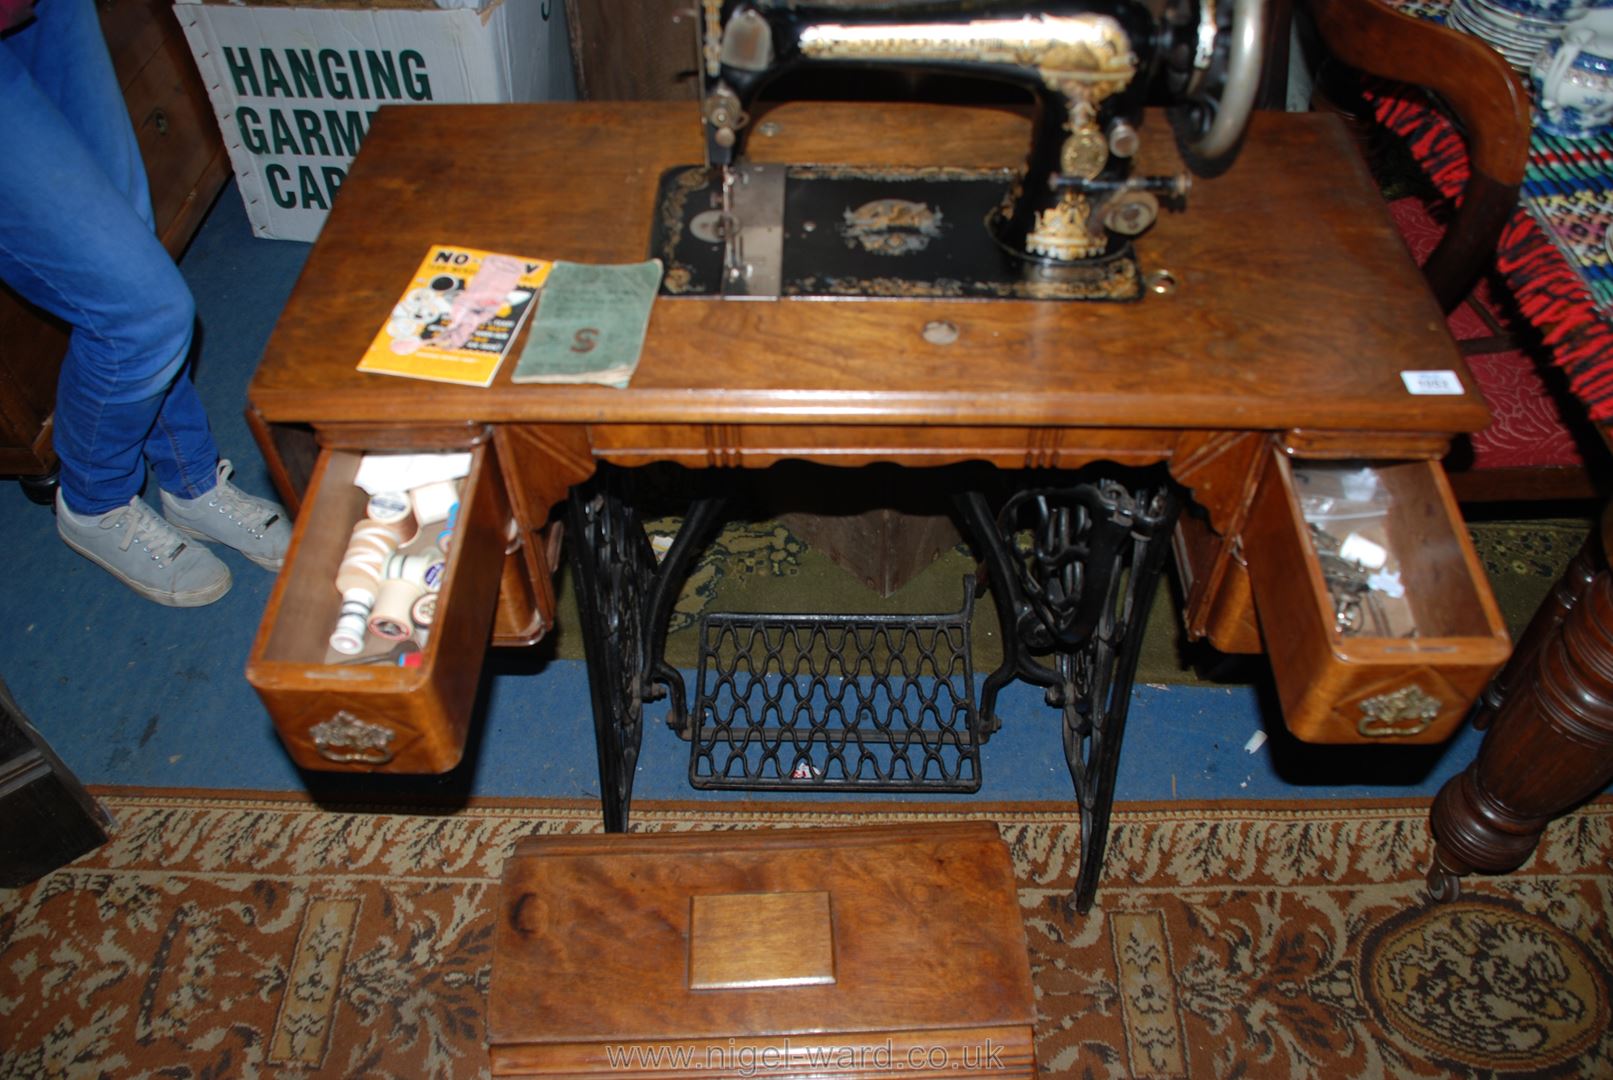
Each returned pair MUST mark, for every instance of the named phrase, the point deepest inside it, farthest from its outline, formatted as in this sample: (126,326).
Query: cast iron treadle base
(836,702)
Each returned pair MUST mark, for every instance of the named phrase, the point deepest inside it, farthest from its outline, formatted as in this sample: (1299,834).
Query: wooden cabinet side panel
(633,50)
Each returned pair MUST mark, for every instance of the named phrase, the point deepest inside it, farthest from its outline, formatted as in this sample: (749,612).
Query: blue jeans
(76,239)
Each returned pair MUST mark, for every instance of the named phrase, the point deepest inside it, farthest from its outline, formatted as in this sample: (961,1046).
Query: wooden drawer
(1358,688)
(378,717)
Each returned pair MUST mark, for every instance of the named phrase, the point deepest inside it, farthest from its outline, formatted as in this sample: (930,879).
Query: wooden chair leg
(1549,743)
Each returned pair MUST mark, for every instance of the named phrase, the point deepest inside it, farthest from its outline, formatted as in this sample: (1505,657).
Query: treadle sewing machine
(933,286)
(1060,227)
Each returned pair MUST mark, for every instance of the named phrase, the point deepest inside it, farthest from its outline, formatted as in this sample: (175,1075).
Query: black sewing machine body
(1060,227)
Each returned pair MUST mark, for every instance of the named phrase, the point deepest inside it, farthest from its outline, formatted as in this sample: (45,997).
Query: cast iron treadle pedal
(836,702)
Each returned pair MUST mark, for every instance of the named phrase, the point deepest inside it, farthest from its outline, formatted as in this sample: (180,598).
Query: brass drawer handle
(1407,711)
(346,739)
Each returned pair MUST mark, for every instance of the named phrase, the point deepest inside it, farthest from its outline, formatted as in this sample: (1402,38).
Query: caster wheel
(40,489)
(1443,886)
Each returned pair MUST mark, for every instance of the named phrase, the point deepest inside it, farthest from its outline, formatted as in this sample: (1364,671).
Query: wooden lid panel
(1297,304)
(593,942)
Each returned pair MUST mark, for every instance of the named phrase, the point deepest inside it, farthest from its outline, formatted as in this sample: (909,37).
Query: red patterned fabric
(1548,291)
(1527,428)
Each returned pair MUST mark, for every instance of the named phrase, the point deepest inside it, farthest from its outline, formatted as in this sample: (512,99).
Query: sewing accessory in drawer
(1395,652)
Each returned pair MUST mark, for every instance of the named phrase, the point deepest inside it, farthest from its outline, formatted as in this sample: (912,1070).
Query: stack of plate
(1517,30)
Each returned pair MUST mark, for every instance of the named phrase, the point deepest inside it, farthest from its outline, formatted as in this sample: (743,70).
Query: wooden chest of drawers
(780,953)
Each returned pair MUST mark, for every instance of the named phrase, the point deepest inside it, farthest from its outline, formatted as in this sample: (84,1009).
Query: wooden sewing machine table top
(1296,312)
(1296,308)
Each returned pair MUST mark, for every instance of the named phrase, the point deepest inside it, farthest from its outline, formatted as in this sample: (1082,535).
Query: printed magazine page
(459,316)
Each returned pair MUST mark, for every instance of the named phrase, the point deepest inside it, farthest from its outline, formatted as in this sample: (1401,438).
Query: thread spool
(425,568)
(424,611)
(353,622)
(372,542)
(433,501)
(390,617)
(446,536)
(358,579)
(394,509)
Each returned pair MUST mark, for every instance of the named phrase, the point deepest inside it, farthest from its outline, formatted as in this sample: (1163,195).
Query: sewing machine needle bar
(754,262)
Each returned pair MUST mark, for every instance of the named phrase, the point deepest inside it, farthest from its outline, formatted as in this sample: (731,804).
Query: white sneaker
(255,527)
(136,546)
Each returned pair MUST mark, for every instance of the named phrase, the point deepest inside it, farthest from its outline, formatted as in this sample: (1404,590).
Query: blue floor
(136,694)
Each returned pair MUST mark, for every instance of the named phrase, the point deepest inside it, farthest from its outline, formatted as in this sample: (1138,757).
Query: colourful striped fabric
(1569,188)
(1555,252)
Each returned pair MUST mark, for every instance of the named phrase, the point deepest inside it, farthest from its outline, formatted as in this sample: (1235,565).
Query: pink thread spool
(404,579)
(424,612)
(358,579)
(390,617)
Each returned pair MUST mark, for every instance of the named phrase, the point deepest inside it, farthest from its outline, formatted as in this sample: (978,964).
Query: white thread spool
(424,568)
(353,622)
(433,501)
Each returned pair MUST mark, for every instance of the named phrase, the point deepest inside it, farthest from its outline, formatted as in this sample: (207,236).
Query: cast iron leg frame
(1072,572)
(624,603)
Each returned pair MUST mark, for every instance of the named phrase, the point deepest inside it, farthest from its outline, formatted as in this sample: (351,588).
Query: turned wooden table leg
(1549,744)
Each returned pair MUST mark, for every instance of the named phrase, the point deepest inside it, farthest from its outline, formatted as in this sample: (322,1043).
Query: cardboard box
(295,88)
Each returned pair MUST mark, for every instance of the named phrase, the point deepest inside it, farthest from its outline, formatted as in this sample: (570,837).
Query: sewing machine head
(1061,227)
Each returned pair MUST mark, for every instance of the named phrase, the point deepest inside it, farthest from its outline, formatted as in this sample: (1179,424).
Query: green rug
(761,566)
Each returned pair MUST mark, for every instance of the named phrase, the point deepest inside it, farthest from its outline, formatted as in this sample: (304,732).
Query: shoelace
(252,515)
(147,528)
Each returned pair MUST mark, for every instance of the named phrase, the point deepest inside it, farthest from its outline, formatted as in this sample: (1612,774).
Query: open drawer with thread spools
(367,712)
(1375,611)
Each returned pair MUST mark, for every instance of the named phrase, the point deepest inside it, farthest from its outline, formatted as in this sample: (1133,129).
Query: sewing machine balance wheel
(1219,91)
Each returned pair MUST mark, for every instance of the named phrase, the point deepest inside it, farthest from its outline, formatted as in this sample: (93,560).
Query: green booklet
(590,323)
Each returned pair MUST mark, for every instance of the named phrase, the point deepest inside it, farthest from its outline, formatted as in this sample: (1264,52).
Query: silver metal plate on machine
(753,265)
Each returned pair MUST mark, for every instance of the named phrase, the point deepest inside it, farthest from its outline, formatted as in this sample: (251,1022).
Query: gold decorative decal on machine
(346,739)
(916,173)
(1112,280)
(1085,152)
(1086,56)
(1407,711)
(677,277)
(1063,232)
(711,40)
(891,226)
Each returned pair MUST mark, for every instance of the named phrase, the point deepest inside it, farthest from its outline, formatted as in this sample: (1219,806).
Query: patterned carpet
(254,937)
